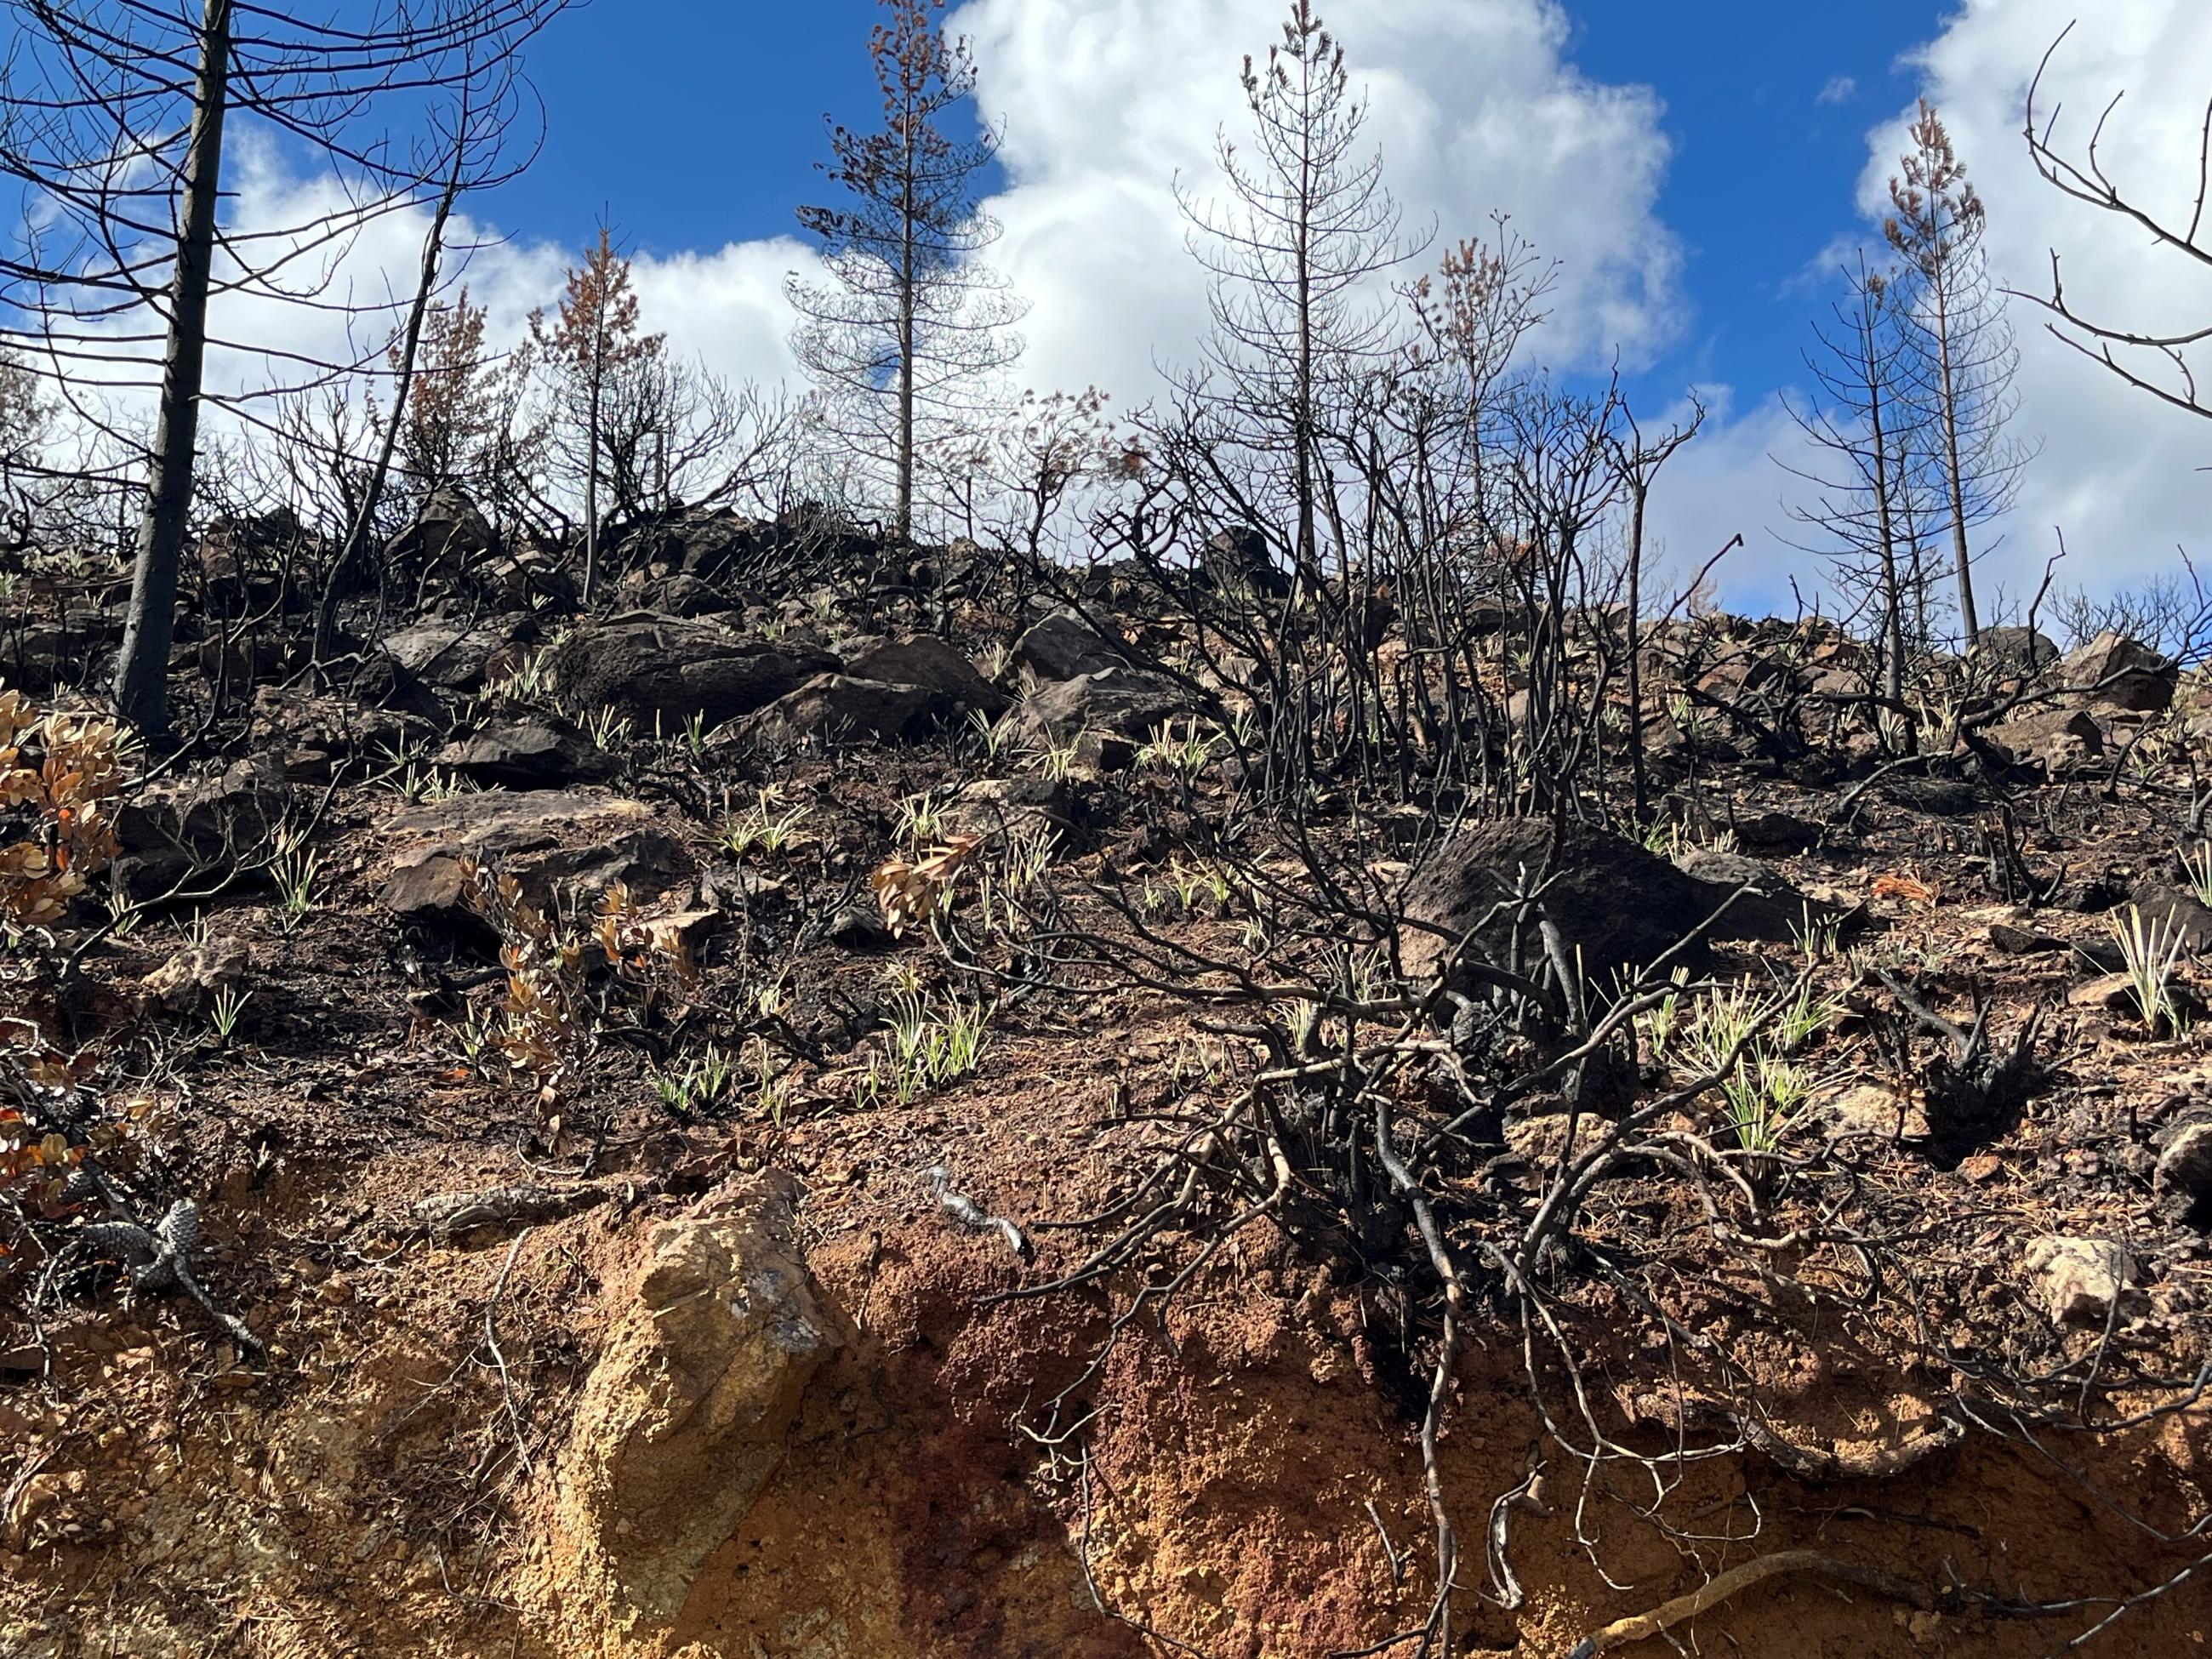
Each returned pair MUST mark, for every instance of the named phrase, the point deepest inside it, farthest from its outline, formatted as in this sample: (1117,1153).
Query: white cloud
(1475,110)
(2119,474)
(1839,89)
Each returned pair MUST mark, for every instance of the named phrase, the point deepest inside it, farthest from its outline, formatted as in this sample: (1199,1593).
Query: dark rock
(2022,941)
(530,752)
(860,927)
(456,656)
(568,845)
(1777,832)
(838,709)
(1943,798)
(315,735)
(524,578)
(2121,673)
(662,671)
(1127,702)
(448,533)
(738,889)
(181,829)
(1061,646)
(2015,650)
(928,661)
(1014,806)
(2059,737)
(685,595)
(40,656)
(1621,906)
(1239,561)
(2181,1183)
(2164,905)
(1772,908)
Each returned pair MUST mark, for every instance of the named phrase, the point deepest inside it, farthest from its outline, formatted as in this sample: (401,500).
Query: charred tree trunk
(141,671)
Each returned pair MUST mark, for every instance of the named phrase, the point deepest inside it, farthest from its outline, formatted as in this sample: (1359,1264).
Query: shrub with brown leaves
(58,774)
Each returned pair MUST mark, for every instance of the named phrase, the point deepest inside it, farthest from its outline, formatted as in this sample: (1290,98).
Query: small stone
(2078,1280)
(190,980)
(2108,991)
(2182,1183)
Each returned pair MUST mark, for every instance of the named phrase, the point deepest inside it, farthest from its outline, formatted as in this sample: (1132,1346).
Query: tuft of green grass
(2149,953)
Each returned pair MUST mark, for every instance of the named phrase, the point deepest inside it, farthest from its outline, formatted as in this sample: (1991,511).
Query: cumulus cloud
(1839,89)
(1475,109)
(2119,474)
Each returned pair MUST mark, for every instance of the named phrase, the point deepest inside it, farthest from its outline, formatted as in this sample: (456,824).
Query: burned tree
(117,116)
(908,317)
(1953,323)
(1870,467)
(1294,257)
(586,352)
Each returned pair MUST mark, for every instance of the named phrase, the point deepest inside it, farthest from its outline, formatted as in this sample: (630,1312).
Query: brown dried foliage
(64,769)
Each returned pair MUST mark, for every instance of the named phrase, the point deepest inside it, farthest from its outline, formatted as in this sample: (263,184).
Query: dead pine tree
(584,352)
(118,117)
(907,316)
(1870,463)
(1295,254)
(1953,321)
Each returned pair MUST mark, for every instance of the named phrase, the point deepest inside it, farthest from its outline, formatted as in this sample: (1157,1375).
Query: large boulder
(1766,906)
(1104,714)
(2059,738)
(526,751)
(561,845)
(687,1410)
(662,671)
(2121,673)
(2015,651)
(1127,702)
(180,830)
(448,532)
(839,708)
(1618,906)
(457,656)
(1061,646)
(314,734)
(928,661)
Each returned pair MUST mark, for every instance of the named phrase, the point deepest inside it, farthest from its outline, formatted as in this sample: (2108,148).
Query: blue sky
(717,142)
(1695,167)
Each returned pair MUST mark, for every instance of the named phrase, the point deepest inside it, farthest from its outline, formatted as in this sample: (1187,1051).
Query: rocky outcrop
(1103,714)
(840,709)
(570,843)
(1618,906)
(926,660)
(185,827)
(661,671)
(527,752)
(1061,646)
(454,655)
(448,532)
(686,1414)
(2121,673)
